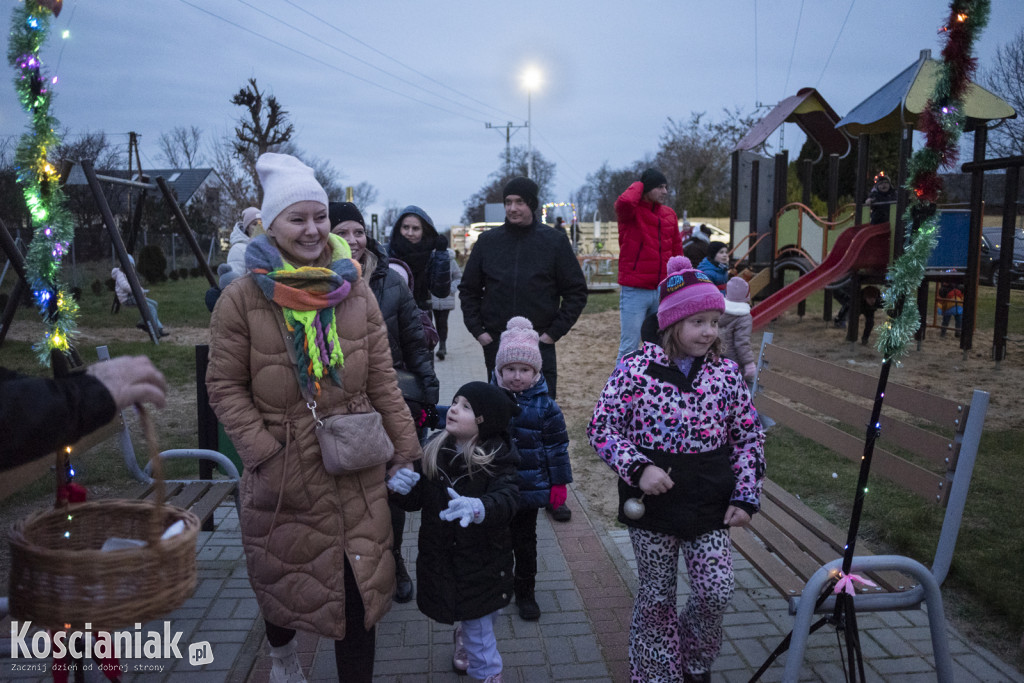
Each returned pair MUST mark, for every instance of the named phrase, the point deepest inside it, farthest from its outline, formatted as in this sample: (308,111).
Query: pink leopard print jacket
(643,406)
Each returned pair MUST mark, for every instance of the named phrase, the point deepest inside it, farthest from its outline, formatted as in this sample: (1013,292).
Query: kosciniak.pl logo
(125,644)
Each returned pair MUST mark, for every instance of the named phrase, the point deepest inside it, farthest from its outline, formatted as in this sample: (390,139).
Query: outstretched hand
(466,510)
(131,380)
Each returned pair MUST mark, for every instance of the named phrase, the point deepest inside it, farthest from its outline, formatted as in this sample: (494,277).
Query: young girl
(735,327)
(676,423)
(543,445)
(469,476)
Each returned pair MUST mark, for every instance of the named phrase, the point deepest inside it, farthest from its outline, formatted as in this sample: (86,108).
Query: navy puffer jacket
(409,349)
(543,443)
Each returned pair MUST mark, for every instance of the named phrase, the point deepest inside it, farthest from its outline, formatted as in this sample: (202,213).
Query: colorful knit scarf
(307,295)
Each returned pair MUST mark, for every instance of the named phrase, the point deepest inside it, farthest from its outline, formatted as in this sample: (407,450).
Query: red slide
(860,246)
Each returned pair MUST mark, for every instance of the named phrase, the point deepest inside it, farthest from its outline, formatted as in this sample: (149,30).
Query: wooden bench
(927,445)
(201,495)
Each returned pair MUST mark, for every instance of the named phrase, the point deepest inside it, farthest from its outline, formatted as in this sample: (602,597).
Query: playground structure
(772,237)
(122,247)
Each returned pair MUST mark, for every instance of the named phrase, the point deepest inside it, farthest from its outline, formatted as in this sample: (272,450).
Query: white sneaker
(286,666)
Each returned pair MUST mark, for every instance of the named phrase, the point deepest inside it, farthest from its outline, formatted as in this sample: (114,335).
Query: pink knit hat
(737,290)
(519,344)
(685,292)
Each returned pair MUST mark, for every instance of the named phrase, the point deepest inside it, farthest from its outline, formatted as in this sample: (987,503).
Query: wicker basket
(61,579)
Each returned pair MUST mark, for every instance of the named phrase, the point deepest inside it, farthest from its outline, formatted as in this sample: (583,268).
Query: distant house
(195,188)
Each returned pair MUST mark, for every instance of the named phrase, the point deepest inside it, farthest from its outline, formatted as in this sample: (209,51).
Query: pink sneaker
(460,659)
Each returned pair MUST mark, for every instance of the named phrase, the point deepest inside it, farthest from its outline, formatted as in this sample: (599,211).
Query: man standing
(522,268)
(648,237)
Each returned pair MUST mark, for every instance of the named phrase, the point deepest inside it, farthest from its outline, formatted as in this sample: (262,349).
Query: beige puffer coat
(298,522)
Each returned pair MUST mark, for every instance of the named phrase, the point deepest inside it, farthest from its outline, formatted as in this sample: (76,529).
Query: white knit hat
(286,181)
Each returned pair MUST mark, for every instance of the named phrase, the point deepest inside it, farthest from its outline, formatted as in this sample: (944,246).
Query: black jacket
(39,415)
(522,270)
(427,259)
(465,573)
(405,332)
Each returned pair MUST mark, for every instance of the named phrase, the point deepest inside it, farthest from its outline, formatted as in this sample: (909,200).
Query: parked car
(990,251)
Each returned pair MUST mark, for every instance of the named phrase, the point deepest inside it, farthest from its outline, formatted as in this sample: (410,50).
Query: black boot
(403,589)
(441,351)
(529,610)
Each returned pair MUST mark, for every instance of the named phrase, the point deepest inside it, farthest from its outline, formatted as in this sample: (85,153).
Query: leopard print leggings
(663,643)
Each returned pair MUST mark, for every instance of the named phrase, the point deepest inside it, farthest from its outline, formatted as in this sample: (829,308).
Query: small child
(950,304)
(543,444)
(716,264)
(464,570)
(735,327)
(881,197)
(675,422)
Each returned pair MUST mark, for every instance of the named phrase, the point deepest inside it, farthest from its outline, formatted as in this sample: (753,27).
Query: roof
(185,182)
(904,97)
(809,110)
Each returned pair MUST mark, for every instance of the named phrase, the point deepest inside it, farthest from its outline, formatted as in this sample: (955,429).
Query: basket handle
(155,523)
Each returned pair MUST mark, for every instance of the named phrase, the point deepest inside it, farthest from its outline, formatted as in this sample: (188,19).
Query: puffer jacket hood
(429,231)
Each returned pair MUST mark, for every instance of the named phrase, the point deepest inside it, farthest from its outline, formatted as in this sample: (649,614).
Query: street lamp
(531,80)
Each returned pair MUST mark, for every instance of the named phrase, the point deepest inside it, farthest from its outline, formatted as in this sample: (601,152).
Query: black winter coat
(39,415)
(522,270)
(427,259)
(405,332)
(542,441)
(465,573)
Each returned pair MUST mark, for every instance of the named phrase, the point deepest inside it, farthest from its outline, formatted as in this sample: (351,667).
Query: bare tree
(364,194)
(182,147)
(264,125)
(1006,79)
(543,175)
(603,187)
(95,147)
(390,216)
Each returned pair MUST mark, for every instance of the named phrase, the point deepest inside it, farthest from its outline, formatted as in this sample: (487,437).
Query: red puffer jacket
(648,236)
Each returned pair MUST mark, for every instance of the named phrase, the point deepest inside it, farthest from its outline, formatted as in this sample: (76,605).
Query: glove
(749,371)
(402,481)
(441,243)
(464,509)
(558,496)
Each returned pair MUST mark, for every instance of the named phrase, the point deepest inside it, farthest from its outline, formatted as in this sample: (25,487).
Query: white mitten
(464,509)
(403,480)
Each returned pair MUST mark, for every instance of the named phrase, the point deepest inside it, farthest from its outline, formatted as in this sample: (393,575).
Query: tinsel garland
(942,124)
(39,179)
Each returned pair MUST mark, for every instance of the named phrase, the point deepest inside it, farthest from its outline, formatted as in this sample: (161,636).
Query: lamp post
(531,79)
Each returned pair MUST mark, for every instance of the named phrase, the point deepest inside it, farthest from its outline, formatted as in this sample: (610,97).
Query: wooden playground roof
(903,98)
(809,110)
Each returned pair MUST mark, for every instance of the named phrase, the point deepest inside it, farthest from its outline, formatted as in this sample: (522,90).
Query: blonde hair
(667,340)
(369,263)
(474,454)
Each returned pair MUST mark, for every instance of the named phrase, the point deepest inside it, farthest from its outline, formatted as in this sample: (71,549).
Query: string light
(38,178)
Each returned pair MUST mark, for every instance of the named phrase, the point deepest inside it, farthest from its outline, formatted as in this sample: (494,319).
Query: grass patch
(599,302)
(983,578)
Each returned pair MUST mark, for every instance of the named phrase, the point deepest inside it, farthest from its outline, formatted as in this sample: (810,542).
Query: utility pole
(508,143)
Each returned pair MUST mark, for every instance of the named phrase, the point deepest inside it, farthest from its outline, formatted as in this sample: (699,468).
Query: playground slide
(860,246)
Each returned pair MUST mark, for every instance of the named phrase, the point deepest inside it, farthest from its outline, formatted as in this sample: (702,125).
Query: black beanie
(714,248)
(522,187)
(340,212)
(495,405)
(652,178)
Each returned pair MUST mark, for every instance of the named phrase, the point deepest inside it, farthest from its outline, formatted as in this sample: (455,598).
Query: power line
(833,50)
(792,53)
(396,61)
(326,64)
(358,59)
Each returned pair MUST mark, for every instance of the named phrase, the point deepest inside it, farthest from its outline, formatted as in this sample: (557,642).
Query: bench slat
(935,409)
(214,496)
(929,445)
(188,494)
(928,485)
(769,565)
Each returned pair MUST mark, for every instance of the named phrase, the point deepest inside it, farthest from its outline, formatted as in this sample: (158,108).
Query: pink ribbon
(846,584)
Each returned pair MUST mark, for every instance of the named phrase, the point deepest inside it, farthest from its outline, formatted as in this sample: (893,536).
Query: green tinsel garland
(907,272)
(39,179)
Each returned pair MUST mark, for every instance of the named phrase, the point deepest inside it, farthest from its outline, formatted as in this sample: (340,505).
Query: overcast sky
(613,72)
